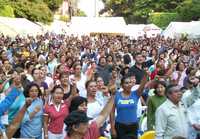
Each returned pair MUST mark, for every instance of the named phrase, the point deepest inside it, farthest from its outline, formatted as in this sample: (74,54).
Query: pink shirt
(92,133)
(56,116)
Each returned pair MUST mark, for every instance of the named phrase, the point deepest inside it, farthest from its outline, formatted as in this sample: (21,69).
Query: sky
(89,6)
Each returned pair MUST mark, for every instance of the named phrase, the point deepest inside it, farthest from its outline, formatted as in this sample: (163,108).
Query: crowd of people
(69,87)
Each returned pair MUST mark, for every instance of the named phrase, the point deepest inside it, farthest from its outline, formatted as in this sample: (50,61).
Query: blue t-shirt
(15,107)
(126,108)
(32,128)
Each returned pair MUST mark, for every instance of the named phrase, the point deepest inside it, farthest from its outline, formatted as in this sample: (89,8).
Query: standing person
(80,79)
(55,113)
(179,74)
(102,95)
(171,116)
(78,126)
(20,100)
(6,103)
(191,102)
(137,68)
(68,88)
(103,70)
(52,62)
(32,123)
(126,122)
(93,106)
(78,103)
(37,74)
(154,102)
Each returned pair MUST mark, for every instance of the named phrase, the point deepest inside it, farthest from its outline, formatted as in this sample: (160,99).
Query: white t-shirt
(29,77)
(49,81)
(181,80)
(93,109)
(80,85)
(101,98)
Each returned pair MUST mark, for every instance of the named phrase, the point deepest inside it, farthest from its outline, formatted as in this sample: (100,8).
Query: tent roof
(57,26)
(175,29)
(98,24)
(136,30)
(21,26)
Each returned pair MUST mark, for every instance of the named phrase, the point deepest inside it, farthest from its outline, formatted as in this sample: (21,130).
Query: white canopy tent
(21,26)
(138,30)
(194,30)
(6,30)
(152,30)
(57,27)
(97,25)
(134,30)
(177,29)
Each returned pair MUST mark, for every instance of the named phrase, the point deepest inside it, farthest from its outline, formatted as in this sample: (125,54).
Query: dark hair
(58,67)
(157,83)
(75,65)
(11,71)
(109,55)
(88,82)
(103,57)
(29,86)
(74,119)
(28,65)
(34,69)
(56,87)
(76,102)
(136,54)
(96,77)
(124,78)
(123,73)
(178,64)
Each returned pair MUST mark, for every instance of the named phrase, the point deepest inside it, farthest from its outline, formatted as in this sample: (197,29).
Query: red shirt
(92,133)
(56,117)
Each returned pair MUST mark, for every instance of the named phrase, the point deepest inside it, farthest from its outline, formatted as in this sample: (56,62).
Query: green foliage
(7,11)
(64,18)
(38,12)
(53,4)
(80,13)
(189,10)
(138,11)
(162,19)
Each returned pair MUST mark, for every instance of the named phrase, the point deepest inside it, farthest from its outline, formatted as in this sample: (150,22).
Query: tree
(162,19)
(37,12)
(138,11)
(7,11)
(53,4)
(189,10)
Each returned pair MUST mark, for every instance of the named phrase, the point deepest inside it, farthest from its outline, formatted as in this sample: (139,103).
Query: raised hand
(37,109)
(28,102)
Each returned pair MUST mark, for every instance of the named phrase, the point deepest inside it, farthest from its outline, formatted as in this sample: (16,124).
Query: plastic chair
(148,135)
